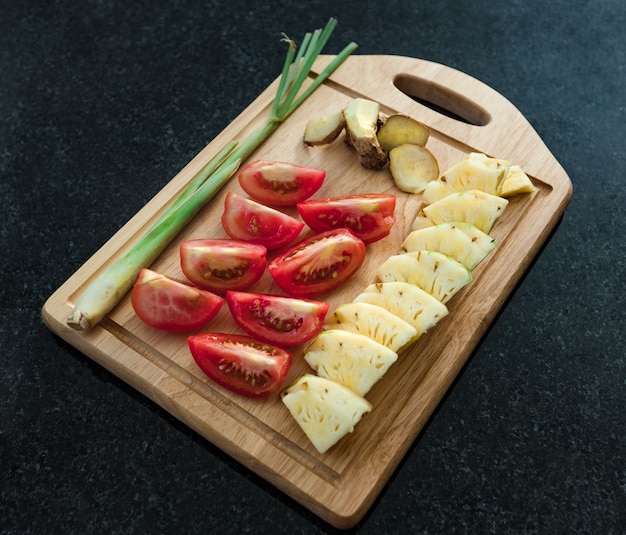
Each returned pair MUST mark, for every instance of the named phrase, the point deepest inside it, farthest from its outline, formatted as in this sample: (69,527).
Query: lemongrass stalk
(284,80)
(330,68)
(103,294)
(312,45)
(203,175)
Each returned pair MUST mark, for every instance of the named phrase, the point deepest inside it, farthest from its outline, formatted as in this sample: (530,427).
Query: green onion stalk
(105,292)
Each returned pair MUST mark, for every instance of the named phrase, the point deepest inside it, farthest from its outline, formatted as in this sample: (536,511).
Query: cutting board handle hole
(442,100)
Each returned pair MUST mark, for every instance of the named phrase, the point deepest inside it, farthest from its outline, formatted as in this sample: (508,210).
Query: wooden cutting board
(341,484)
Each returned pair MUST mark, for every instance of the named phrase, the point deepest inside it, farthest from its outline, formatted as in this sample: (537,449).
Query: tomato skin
(248,220)
(219,265)
(172,306)
(283,321)
(318,264)
(280,183)
(240,363)
(369,216)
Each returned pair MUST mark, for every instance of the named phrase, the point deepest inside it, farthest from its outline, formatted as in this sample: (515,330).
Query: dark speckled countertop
(101,103)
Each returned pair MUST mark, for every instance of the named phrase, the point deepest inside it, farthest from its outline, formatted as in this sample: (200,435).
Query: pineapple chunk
(498,164)
(351,359)
(373,321)
(467,174)
(434,272)
(324,410)
(462,241)
(421,221)
(516,182)
(407,301)
(473,206)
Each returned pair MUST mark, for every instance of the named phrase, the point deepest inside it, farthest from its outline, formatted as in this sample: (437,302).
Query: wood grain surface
(341,484)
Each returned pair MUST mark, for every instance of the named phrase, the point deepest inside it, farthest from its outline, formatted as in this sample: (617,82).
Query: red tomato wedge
(240,363)
(283,321)
(248,220)
(280,183)
(219,265)
(369,216)
(169,305)
(318,264)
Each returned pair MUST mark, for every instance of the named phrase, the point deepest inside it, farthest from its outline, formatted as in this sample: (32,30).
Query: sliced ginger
(324,130)
(399,129)
(412,167)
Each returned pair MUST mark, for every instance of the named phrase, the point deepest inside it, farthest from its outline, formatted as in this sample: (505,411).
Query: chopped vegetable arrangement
(348,349)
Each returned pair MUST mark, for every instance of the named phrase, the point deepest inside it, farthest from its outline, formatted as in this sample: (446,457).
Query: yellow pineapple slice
(436,273)
(462,241)
(467,174)
(407,301)
(373,321)
(324,410)
(421,221)
(500,165)
(516,182)
(473,206)
(351,359)
(435,190)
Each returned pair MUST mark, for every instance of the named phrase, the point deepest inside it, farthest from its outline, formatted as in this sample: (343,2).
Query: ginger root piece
(324,130)
(399,129)
(361,116)
(412,167)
